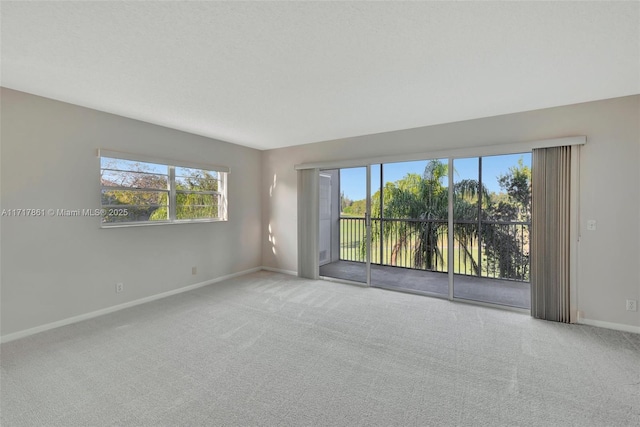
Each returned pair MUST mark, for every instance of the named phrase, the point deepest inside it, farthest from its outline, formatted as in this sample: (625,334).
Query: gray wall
(56,268)
(608,258)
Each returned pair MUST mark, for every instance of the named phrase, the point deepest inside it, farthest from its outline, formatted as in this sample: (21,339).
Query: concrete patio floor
(495,291)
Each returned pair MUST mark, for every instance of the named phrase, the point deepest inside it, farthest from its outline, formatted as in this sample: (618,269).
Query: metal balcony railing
(495,249)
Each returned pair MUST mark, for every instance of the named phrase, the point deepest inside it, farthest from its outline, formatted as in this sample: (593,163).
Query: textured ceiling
(273,74)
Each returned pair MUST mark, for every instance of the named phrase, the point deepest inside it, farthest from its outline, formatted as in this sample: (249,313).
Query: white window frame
(222,171)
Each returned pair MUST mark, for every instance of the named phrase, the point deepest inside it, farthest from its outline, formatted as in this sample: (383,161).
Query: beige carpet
(269,349)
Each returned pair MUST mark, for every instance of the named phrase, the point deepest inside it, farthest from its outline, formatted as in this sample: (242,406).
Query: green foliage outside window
(492,220)
(144,190)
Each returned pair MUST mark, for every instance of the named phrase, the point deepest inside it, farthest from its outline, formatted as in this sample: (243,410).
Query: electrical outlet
(194,270)
(632,305)
(119,287)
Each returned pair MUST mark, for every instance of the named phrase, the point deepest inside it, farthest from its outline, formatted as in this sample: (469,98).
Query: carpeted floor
(269,349)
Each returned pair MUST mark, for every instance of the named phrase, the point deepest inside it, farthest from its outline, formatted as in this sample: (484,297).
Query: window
(137,190)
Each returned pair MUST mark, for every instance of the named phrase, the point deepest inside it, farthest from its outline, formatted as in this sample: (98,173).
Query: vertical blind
(308,223)
(551,234)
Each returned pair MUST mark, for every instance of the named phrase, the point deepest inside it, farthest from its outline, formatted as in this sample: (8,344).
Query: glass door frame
(466,152)
(450,225)
(367,226)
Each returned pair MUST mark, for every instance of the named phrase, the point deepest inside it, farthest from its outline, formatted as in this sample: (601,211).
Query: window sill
(156,223)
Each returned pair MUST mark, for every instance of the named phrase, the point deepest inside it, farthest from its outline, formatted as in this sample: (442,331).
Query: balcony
(490,259)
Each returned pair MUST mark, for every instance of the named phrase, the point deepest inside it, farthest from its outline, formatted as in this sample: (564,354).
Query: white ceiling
(273,74)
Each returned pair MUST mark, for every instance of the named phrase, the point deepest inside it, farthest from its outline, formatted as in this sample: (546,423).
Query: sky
(353,180)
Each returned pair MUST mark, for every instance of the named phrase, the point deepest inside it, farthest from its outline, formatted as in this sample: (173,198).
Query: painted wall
(610,188)
(54,268)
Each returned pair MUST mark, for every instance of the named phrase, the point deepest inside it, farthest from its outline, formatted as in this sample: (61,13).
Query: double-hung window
(140,190)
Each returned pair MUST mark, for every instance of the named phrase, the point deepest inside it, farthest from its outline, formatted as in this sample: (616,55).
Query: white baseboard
(81,317)
(609,325)
(279,270)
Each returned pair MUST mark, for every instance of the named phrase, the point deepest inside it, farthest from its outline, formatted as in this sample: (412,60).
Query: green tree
(191,201)
(507,246)
(517,184)
(422,203)
(345,202)
(415,219)
(356,208)
(141,204)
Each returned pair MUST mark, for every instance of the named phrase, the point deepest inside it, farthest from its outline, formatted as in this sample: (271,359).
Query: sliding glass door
(344,235)
(409,227)
(453,228)
(491,223)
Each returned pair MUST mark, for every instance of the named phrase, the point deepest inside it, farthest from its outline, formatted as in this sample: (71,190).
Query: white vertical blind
(308,223)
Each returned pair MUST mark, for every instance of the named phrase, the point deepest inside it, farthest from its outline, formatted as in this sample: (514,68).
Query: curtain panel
(551,234)
(308,220)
